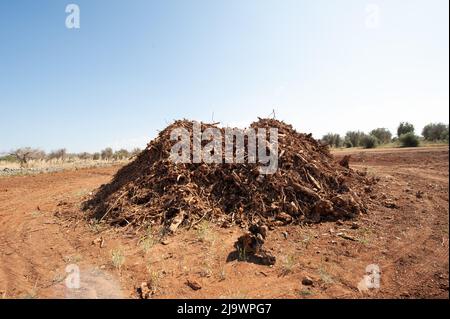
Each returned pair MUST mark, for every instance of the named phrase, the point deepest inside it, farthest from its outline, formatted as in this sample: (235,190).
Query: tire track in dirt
(416,268)
(33,243)
(423,253)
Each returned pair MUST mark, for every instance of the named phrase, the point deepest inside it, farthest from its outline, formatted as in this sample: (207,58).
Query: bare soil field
(407,239)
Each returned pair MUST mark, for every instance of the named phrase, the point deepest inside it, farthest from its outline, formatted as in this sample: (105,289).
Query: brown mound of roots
(308,186)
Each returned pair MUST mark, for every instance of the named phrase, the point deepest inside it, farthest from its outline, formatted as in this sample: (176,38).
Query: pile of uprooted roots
(308,186)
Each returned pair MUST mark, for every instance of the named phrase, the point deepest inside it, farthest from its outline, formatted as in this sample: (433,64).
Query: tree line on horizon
(25,154)
(406,136)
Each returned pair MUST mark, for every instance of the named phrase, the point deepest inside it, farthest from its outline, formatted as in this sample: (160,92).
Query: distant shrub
(382,134)
(444,136)
(409,140)
(84,156)
(107,153)
(23,155)
(9,158)
(405,128)
(121,154)
(348,144)
(332,139)
(96,156)
(58,154)
(370,141)
(435,132)
(354,138)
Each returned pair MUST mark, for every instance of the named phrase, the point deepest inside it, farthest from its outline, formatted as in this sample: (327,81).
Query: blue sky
(134,66)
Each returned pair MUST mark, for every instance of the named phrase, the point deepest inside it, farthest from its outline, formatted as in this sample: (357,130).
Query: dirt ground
(406,237)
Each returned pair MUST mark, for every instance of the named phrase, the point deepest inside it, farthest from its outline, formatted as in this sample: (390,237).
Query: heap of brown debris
(308,186)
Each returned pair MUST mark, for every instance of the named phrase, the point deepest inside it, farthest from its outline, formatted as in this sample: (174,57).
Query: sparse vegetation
(242,255)
(370,141)
(222,274)
(307,239)
(334,140)
(121,154)
(107,153)
(204,232)
(95,226)
(73,259)
(8,158)
(84,156)
(348,144)
(409,140)
(353,138)
(154,280)
(306,292)
(325,276)
(206,270)
(382,134)
(288,265)
(117,258)
(405,128)
(25,154)
(60,154)
(436,132)
(147,241)
(28,160)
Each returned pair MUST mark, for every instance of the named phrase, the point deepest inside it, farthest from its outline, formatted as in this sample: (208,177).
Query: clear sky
(134,66)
